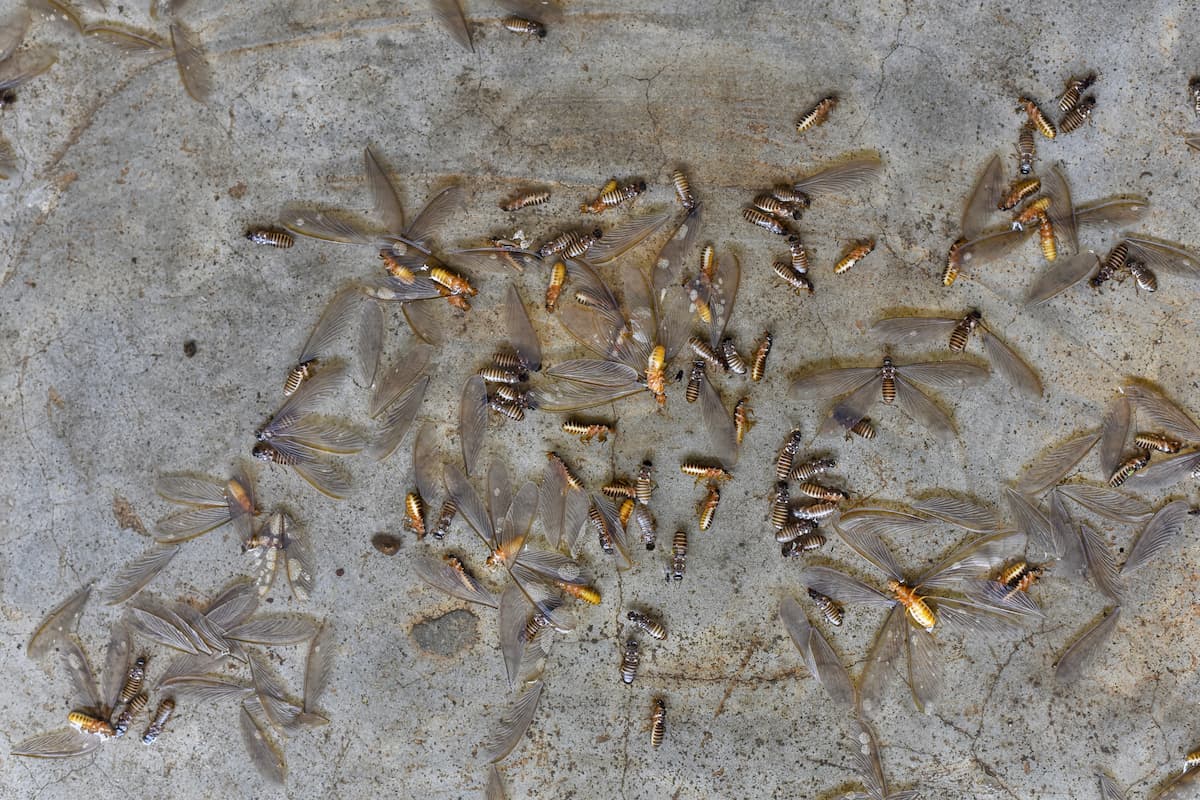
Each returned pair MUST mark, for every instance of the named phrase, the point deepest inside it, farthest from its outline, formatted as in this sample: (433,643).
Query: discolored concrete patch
(447,634)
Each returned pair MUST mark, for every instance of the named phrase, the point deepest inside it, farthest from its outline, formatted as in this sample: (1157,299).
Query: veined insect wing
(722,432)
(1062,210)
(512,725)
(981,203)
(910,330)
(469,504)
(383,193)
(823,664)
(1053,464)
(442,576)
(472,420)
(1158,534)
(65,743)
(626,235)
(1162,412)
(839,178)
(1070,666)
(1011,366)
(192,61)
(58,624)
(1062,275)
(521,333)
(842,587)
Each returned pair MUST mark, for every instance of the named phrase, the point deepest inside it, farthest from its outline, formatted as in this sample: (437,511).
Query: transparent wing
(8,159)
(873,549)
(300,563)
(1106,502)
(512,726)
(22,67)
(626,235)
(134,576)
(722,296)
(1052,465)
(911,330)
(233,606)
(924,667)
(187,489)
(65,743)
(275,629)
(264,751)
(972,617)
(326,476)
(1180,787)
(843,588)
(1114,433)
(427,465)
(1068,548)
(1011,366)
(163,626)
(83,680)
(722,433)
(469,504)
(990,246)
(397,420)
(521,334)
(450,14)
(58,624)
(552,502)
(575,518)
(116,663)
(822,662)
(472,420)
(311,394)
(887,646)
(422,320)
(1167,471)
(433,216)
(1100,562)
(314,432)
(833,382)
(949,375)
(1158,534)
(1032,521)
(1062,275)
(1162,412)
(322,225)
(840,178)
(885,522)
(441,576)
(668,267)
(514,613)
(1165,257)
(964,513)
(205,689)
(984,198)
(370,342)
(514,528)
(13,27)
(1062,210)
(923,410)
(392,289)
(1071,665)
(408,366)
(594,371)
(566,397)
(1001,598)
(317,667)
(865,758)
(846,413)
(495,786)
(192,61)
(499,493)
(972,559)
(553,566)
(1115,211)
(127,38)
(612,517)
(1109,789)
(383,193)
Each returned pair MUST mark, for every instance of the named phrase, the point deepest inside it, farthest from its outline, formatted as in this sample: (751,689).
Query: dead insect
(705,472)
(656,377)
(733,360)
(525,198)
(587,431)
(781,506)
(743,418)
(1074,119)
(1018,192)
(1019,576)
(798,253)
(511,409)
(271,237)
(611,198)
(1074,91)
(1046,239)
(763,220)
(604,534)
(644,486)
(646,525)
(819,492)
(414,512)
(683,189)
(857,252)
(864,429)
(629,661)
(816,511)
(794,529)
(817,114)
(658,722)
(1039,120)
(571,244)
(335,319)
(86,723)
(134,706)
(1128,467)
(495,374)
(804,543)
(679,547)
(165,709)
(1026,149)
(619,490)
(386,543)
(1158,442)
(1194,93)
(1032,214)
(452,281)
(280,539)
(527,27)
(758,363)
(625,511)
(558,277)
(134,678)
(832,612)
(704,351)
(810,469)
(652,627)
(571,478)
(784,193)
(1147,281)
(707,509)
(768,203)
(445,518)
(787,454)
(695,381)
(798,281)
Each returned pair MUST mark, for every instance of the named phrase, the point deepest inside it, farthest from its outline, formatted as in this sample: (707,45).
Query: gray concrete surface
(122,240)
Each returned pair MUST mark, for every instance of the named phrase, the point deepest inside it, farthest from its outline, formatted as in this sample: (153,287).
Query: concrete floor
(123,239)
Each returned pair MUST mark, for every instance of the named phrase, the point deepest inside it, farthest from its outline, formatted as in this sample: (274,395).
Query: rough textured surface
(123,242)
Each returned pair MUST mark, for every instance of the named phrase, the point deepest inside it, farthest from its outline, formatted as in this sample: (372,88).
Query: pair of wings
(923,330)
(1159,256)
(863,388)
(213,503)
(985,197)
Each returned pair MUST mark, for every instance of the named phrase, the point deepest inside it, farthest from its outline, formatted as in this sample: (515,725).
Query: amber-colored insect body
(652,627)
(695,380)
(1075,118)
(165,709)
(134,679)
(798,281)
(526,27)
(1155,441)
(857,252)
(626,510)
(135,706)
(270,237)
(1026,149)
(1046,239)
(570,477)
(618,491)
(743,418)
(658,722)
(703,472)
(816,115)
(1033,212)
(1019,576)
(864,428)
(558,277)
(452,281)
(763,220)
(524,199)
(656,377)
(644,486)
(758,363)
(414,513)
(396,268)
(683,189)
(798,254)
(953,263)
(829,609)
(298,375)
(707,510)
(86,723)
(1128,467)
(613,197)
(587,594)
(787,455)
(1039,120)
(1018,192)
(587,431)
(629,661)
(679,548)
(916,606)
(1075,89)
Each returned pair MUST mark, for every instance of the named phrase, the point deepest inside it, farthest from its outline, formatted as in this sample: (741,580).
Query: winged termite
(1014,369)
(1158,533)
(450,15)
(893,383)
(214,503)
(912,600)
(1053,464)
(1154,255)
(823,664)
(512,724)
(1164,413)
(58,624)
(280,538)
(988,246)
(963,513)
(1061,211)
(983,200)
(134,576)
(472,420)
(274,630)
